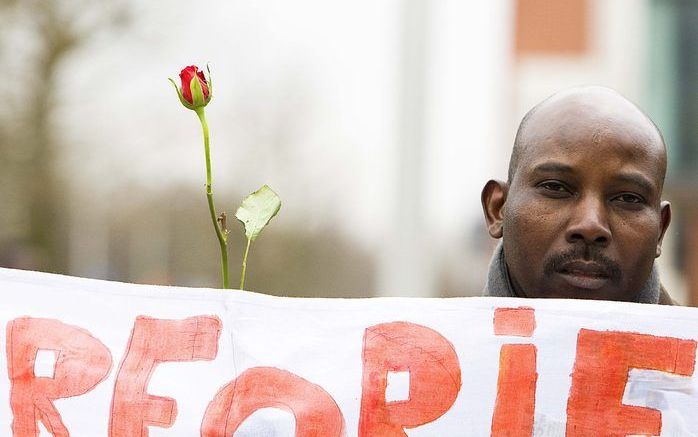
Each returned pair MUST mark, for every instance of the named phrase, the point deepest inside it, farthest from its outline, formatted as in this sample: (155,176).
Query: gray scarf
(499,285)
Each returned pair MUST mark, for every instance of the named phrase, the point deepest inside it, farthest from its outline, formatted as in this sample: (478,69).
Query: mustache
(559,261)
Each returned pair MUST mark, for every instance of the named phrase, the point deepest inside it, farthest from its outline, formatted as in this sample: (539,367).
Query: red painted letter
(516,387)
(434,378)
(519,322)
(81,363)
(601,372)
(316,413)
(516,391)
(152,342)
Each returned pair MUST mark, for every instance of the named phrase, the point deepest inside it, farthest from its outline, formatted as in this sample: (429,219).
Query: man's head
(581,214)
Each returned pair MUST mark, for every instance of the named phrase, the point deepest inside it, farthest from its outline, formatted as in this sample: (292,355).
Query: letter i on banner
(516,386)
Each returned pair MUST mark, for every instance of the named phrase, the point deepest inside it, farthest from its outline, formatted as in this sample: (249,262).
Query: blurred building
(672,92)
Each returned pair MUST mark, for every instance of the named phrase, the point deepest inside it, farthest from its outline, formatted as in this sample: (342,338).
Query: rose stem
(222,238)
(244,264)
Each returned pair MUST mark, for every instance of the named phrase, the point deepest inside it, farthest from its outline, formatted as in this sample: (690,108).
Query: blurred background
(377,123)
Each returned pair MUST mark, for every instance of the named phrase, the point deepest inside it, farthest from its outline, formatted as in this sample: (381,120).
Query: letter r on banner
(82,362)
(435,378)
(152,342)
(604,359)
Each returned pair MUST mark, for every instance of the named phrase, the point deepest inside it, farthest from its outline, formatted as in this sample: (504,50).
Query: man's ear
(665,219)
(493,196)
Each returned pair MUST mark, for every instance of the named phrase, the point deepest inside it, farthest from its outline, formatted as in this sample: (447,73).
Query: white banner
(95,358)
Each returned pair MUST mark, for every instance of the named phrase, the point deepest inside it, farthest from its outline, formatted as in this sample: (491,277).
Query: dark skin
(581,215)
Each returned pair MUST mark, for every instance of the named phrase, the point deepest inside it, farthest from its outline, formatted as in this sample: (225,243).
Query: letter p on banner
(435,378)
(82,362)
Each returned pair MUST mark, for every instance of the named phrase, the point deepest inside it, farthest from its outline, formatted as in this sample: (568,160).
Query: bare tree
(49,31)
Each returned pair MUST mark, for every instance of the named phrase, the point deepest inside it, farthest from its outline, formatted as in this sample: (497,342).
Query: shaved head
(603,106)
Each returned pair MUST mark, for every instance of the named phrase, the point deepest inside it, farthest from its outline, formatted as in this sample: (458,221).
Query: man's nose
(589,222)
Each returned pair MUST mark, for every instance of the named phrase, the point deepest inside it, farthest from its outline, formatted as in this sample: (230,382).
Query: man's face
(582,217)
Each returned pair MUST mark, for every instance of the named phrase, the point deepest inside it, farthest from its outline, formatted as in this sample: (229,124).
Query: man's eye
(554,187)
(630,198)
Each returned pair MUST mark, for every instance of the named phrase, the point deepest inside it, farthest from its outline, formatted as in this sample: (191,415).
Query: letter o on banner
(316,412)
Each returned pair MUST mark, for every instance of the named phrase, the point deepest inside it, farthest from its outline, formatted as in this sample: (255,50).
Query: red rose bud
(186,75)
(196,90)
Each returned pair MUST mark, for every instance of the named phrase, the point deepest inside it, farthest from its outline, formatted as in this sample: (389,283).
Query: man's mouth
(585,274)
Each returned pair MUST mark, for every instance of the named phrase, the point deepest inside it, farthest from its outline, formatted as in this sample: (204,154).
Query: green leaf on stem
(257,210)
(210,82)
(179,94)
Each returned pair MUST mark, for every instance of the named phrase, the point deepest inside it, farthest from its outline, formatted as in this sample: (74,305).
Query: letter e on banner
(604,359)
(152,342)
(81,363)
(435,378)
(316,412)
